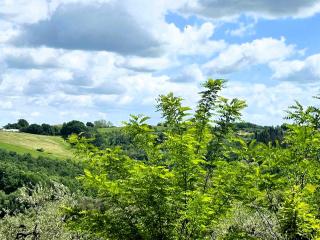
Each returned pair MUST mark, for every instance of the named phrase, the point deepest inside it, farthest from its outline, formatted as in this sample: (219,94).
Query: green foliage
(166,194)
(272,135)
(191,177)
(43,129)
(34,129)
(103,124)
(89,124)
(17,171)
(43,218)
(71,127)
(23,123)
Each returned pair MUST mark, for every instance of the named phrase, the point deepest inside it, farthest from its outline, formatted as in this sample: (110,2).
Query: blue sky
(105,59)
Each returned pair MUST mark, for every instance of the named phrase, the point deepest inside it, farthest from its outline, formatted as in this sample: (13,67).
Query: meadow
(36,145)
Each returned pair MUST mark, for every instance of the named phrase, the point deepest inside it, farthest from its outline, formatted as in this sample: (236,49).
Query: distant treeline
(63,130)
(263,134)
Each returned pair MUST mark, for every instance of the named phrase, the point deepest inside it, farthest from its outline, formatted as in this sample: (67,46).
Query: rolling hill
(36,145)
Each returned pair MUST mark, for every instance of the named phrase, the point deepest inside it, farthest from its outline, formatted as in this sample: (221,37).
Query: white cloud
(7,31)
(117,27)
(6,104)
(307,70)
(267,104)
(189,73)
(194,40)
(145,64)
(259,51)
(96,26)
(257,8)
(112,58)
(242,30)
(28,58)
(24,11)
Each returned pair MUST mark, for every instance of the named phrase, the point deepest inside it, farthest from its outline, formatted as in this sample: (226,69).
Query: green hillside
(53,146)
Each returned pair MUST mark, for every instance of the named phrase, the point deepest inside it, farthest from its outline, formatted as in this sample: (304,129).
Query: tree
(168,194)
(34,129)
(23,123)
(12,126)
(56,129)
(71,127)
(47,129)
(102,123)
(89,124)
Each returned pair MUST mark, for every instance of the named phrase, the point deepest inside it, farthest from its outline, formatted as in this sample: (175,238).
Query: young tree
(200,180)
(166,195)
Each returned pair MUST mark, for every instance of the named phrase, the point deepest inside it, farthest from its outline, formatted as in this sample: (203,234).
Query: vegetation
(199,183)
(52,146)
(43,129)
(71,127)
(103,124)
(200,174)
(21,123)
(42,219)
(19,171)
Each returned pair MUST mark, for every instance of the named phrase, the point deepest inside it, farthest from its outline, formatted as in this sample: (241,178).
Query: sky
(106,59)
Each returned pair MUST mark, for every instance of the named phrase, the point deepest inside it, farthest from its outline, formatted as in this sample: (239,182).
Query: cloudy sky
(105,59)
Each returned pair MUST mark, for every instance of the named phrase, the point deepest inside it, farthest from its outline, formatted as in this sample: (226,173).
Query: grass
(52,146)
(108,129)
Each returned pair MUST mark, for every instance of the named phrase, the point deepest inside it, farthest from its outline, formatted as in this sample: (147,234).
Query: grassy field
(108,130)
(53,146)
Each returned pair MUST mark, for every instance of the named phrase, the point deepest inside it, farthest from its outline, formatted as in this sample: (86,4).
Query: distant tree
(47,129)
(34,129)
(270,134)
(73,127)
(23,123)
(12,126)
(100,123)
(103,123)
(99,140)
(89,124)
(56,129)
(109,124)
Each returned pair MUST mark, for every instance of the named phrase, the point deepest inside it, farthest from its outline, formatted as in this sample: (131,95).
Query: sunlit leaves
(201,180)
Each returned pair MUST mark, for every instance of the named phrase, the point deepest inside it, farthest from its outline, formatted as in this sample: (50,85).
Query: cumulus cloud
(190,73)
(239,56)
(194,40)
(242,30)
(258,8)
(267,103)
(307,70)
(144,64)
(7,31)
(27,58)
(105,26)
(5,104)
(86,59)
(24,11)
